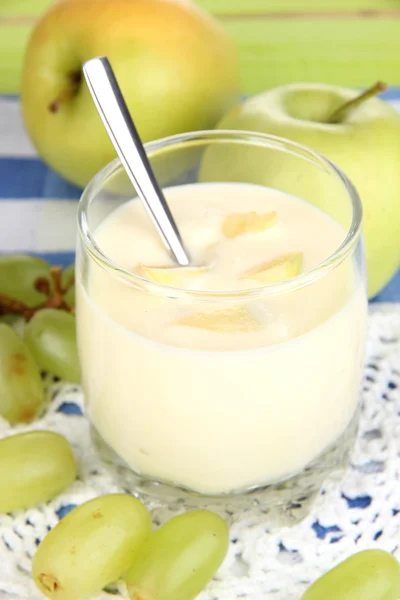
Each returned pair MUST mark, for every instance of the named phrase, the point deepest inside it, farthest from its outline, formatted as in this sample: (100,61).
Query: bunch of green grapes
(110,538)
(32,336)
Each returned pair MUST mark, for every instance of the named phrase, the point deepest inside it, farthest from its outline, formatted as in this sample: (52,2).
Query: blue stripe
(391,293)
(63,259)
(391,94)
(57,187)
(26,178)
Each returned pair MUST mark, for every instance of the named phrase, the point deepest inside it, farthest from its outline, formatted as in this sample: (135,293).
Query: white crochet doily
(362,511)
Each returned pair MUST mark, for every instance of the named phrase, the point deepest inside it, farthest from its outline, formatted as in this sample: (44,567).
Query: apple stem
(342,111)
(74,81)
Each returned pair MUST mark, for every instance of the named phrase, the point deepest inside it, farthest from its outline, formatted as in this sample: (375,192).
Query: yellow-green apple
(177,69)
(359,133)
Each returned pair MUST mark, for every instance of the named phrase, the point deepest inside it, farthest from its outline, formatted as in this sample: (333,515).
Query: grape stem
(55,297)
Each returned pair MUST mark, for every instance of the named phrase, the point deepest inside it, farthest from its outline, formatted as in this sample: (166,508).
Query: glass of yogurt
(238,377)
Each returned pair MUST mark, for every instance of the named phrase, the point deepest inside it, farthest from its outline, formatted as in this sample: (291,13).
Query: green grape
(18,274)
(91,547)
(367,575)
(51,337)
(34,467)
(21,388)
(179,559)
(66,277)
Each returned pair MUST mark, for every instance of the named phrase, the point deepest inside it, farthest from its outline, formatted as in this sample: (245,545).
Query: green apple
(177,69)
(358,133)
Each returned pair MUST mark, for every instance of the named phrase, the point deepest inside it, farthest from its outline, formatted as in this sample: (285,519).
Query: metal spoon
(118,122)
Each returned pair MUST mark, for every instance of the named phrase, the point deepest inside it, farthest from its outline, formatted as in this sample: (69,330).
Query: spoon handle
(114,113)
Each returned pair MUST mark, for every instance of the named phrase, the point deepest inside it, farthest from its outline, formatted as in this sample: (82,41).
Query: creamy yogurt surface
(221,395)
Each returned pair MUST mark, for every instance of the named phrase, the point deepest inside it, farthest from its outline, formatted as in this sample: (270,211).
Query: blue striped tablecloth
(38,208)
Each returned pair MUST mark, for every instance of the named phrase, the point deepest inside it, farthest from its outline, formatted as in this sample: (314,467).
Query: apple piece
(279,269)
(251,222)
(171,275)
(229,320)
(176,66)
(302,112)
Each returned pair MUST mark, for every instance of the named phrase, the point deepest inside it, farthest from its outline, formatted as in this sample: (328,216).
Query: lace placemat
(360,511)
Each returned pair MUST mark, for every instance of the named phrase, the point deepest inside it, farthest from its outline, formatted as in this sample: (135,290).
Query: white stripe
(395,104)
(37,225)
(13,139)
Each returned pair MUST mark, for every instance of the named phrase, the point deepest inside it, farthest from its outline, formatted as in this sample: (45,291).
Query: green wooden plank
(17,19)
(23,8)
(267,7)
(13,41)
(277,42)
(341,52)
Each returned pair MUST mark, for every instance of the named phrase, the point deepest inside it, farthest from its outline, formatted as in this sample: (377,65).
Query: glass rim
(353,233)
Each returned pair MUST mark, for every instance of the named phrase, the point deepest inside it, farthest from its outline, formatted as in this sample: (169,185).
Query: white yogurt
(218,411)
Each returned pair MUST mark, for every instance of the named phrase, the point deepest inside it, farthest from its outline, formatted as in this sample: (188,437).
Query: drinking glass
(265,423)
